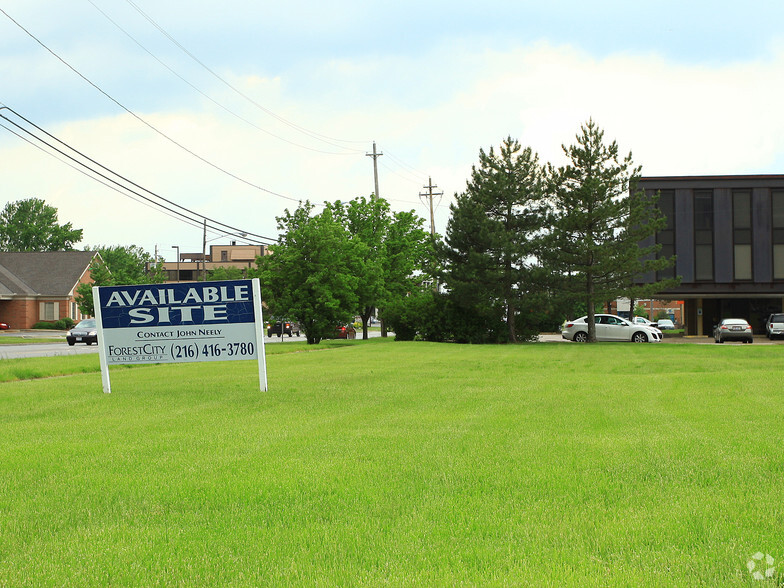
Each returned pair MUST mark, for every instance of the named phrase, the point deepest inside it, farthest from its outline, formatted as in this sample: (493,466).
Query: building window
(666,237)
(49,311)
(741,233)
(777,217)
(703,235)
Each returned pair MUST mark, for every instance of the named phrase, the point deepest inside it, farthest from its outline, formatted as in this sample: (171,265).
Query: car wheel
(719,340)
(71,343)
(750,341)
(639,337)
(581,337)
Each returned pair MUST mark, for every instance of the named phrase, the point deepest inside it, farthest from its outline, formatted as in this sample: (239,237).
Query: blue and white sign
(185,322)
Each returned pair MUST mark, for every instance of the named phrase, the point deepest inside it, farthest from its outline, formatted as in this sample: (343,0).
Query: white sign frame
(179,323)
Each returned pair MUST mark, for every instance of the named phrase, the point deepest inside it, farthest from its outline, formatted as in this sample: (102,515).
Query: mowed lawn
(402,464)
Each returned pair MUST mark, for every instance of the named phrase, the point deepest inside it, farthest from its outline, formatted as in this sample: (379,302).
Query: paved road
(56,349)
(33,349)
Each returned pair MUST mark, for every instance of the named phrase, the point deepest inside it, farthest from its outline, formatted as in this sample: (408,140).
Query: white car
(665,324)
(641,320)
(610,328)
(774,326)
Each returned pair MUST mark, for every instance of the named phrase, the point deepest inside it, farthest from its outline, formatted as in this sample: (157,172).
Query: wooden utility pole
(429,195)
(204,252)
(375,157)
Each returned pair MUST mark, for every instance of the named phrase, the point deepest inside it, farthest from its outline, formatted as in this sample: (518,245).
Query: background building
(40,286)
(190,267)
(728,235)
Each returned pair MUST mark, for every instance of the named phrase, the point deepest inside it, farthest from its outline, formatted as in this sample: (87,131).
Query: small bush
(64,323)
(60,325)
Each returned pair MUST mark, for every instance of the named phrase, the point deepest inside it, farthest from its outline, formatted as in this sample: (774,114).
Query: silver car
(610,328)
(733,329)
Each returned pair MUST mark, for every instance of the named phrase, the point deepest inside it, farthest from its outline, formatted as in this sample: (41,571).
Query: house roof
(42,273)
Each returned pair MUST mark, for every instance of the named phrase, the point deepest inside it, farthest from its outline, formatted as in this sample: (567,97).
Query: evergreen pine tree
(597,223)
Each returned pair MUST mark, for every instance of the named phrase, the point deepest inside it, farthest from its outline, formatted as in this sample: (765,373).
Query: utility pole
(429,195)
(375,157)
(204,252)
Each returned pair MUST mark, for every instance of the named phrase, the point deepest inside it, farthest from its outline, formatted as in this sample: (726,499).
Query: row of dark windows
(704,233)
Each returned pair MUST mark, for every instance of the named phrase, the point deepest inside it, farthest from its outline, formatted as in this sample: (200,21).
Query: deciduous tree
(313,272)
(396,245)
(31,225)
(119,265)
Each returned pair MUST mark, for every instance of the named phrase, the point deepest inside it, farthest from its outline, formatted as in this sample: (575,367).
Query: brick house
(41,285)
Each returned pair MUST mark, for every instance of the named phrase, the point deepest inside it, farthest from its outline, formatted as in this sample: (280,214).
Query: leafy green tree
(396,248)
(408,258)
(118,265)
(491,239)
(31,225)
(597,222)
(225,273)
(367,222)
(313,273)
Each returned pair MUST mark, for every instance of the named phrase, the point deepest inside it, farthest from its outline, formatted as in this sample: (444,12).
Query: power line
(232,87)
(143,121)
(216,224)
(417,173)
(210,98)
(176,216)
(170,139)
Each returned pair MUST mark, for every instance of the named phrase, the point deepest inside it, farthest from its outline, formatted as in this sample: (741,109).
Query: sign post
(179,323)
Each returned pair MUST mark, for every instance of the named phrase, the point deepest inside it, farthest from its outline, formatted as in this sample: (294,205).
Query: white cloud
(676,118)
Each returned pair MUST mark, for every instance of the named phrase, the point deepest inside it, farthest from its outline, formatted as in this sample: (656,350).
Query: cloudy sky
(237,110)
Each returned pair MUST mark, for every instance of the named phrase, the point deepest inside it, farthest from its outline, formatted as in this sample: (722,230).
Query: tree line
(526,245)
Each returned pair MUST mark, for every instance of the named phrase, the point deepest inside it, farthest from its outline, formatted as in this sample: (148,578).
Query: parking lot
(693,340)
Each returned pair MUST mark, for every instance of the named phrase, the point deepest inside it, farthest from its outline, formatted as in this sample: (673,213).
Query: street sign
(178,323)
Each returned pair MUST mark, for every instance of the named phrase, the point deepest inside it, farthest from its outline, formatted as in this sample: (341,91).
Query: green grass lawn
(384,463)
(21,340)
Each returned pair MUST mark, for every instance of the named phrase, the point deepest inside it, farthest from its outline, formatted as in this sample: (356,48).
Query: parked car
(283,327)
(345,332)
(4,326)
(610,328)
(641,320)
(733,329)
(86,331)
(774,326)
(663,324)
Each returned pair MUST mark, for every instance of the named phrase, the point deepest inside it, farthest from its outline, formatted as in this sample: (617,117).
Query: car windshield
(777,318)
(86,324)
(733,322)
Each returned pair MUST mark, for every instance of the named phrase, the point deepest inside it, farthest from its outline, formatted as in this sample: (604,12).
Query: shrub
(64,323)
(60,325)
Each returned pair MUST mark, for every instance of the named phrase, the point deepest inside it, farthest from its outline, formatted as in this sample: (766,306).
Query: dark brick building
(728,235)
